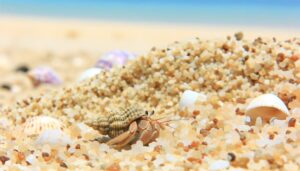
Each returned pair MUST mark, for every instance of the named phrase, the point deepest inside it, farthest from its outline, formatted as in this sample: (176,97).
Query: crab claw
(125,138)
(148,131)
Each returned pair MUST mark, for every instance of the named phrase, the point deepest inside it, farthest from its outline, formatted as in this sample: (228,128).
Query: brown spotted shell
(117,122)
(38,124)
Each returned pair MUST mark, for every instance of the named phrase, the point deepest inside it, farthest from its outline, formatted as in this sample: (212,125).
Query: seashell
(89,73)
(266,106)
(114,58)
(39,124)
(44,75)
(189,98)
(54,137)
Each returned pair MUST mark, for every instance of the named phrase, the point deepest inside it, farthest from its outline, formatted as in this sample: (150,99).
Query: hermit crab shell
(38,124)
(267,106)
(44,75)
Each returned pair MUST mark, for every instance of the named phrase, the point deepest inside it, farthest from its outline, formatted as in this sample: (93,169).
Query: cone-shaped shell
(38,124)
(267,106)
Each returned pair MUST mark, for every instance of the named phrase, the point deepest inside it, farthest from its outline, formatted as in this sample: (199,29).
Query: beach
(78,44)
(226,66)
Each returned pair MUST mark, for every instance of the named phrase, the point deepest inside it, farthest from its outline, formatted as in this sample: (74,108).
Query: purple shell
(45,75)
(114,58)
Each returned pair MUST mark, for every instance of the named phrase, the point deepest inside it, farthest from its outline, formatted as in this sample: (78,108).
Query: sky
(277,13)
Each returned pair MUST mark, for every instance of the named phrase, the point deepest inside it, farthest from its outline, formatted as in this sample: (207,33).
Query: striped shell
(38,124)
(117,122)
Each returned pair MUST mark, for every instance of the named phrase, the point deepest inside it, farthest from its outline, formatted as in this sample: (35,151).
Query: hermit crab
(127,126)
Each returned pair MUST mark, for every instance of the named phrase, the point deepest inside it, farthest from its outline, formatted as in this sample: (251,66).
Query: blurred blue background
(277,13)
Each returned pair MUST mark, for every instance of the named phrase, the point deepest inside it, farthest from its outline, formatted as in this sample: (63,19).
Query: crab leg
(125,138)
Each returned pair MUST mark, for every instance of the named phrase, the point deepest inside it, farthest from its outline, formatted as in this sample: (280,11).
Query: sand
(230,71)
(76,45)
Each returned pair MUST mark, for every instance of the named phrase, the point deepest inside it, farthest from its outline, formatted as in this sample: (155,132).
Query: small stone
(189,98)
(22,68)
(53,137)
(231,157)
(31,159)
(3,159)
(113,167)
(62,164)
(239,35)
(6,87)
(89,74)
(292,122)
(219,165)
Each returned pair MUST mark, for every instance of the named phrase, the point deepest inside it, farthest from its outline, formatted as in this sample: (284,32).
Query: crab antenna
(169,126)
(170,120)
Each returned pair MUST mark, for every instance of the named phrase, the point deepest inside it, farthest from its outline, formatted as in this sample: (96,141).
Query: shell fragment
(267,106)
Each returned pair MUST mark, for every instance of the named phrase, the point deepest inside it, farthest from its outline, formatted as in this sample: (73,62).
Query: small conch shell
(266,106)
(38,124)
(44,75)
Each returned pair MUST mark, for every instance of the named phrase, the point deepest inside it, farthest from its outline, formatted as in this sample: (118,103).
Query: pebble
(6,87)
(54,137)
(189,98)
(219,165)
(89,73)
(31,159)
(22,68)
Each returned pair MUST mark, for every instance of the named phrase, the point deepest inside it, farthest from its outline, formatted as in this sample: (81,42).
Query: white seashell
(267,106)
(53,137)
(189,98)
(89,73)
(39,124)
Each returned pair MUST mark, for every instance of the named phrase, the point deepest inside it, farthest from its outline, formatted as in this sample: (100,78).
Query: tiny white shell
(38,124)
(53,137)
(267,106)
(89,73)
(189,98)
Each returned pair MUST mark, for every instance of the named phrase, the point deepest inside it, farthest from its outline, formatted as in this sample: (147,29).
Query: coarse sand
(214,136)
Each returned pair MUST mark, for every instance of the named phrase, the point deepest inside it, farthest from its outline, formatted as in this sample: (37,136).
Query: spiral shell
(117,122)
(44,75)
(114,58)
(38,124)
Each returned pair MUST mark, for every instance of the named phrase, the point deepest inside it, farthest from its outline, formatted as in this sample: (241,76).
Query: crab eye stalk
(152,113)
(147,113)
